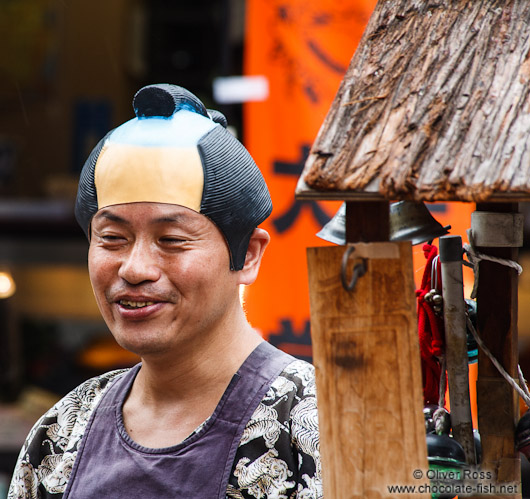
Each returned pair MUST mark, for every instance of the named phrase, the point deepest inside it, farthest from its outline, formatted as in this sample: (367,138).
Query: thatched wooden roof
(434,106)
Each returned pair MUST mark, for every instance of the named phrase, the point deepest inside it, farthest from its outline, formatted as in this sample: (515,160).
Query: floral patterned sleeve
(279,453)
(47,456)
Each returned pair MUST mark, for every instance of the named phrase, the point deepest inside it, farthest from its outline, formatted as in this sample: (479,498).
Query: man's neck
(170,397)
(203,365)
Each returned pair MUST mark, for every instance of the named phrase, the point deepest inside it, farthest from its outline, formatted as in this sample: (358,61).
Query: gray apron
(110,465)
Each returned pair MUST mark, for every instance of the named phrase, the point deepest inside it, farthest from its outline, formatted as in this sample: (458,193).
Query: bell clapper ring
(358,270)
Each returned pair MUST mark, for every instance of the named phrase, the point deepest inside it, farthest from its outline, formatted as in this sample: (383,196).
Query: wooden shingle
(434,106)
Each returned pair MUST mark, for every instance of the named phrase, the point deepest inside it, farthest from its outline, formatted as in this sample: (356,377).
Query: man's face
(161,276)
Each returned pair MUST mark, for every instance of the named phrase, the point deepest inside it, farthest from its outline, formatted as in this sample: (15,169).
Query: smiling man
(171,204)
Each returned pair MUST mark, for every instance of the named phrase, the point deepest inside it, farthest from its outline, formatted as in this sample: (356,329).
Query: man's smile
(135,304)
(138,309)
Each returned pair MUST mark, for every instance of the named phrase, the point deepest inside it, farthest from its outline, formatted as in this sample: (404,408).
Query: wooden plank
(498,404)
(366,355)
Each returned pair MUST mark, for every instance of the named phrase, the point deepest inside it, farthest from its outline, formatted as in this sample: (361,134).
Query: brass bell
(443,450)
(437,299)
(429,296)
(409,221)
(335,230)
(447,461)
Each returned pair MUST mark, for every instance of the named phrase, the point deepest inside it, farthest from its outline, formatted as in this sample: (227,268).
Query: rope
(524,394)
(475,257)
(441,417)
(523,381)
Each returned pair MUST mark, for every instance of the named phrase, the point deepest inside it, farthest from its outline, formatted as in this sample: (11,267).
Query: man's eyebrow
(177,217)
(112,217)
(171,218)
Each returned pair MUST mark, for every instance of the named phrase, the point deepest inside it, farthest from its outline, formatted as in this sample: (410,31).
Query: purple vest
(110,465)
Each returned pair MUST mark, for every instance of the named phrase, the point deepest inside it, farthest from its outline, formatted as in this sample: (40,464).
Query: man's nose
(139,264)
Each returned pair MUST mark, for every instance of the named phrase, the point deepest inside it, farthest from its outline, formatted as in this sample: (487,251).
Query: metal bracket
(358,270)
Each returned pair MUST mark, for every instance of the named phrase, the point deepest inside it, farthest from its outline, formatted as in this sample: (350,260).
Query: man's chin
(144,348)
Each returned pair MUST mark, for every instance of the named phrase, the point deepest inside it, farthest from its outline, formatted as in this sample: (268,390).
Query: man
(170,202)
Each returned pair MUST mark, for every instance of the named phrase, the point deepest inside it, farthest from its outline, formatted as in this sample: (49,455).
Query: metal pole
(456,343)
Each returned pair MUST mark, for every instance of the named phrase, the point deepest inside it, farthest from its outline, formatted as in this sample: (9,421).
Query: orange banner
(303,48)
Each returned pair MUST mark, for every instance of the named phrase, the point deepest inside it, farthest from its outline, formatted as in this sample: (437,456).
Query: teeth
(135,304)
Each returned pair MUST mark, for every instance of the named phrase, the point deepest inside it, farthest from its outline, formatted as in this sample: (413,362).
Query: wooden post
(366,355)
(455,343)
(367,221)
(498,404)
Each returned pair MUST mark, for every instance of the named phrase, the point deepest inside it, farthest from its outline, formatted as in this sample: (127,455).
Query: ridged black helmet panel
(235,195)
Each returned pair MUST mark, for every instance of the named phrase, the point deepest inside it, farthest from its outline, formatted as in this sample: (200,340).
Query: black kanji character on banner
(296,343)
(285,221)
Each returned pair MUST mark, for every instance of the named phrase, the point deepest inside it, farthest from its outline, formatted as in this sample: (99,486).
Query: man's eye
(172,240)
(112,238)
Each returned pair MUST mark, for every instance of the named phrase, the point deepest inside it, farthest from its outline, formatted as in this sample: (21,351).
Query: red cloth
(430,331)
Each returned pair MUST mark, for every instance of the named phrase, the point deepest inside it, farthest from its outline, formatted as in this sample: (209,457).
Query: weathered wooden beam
(498,404)
(433,106)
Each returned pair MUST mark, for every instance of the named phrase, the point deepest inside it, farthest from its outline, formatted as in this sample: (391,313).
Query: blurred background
(68,72)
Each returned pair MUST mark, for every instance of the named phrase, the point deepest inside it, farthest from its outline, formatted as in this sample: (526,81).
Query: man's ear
(256,247)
